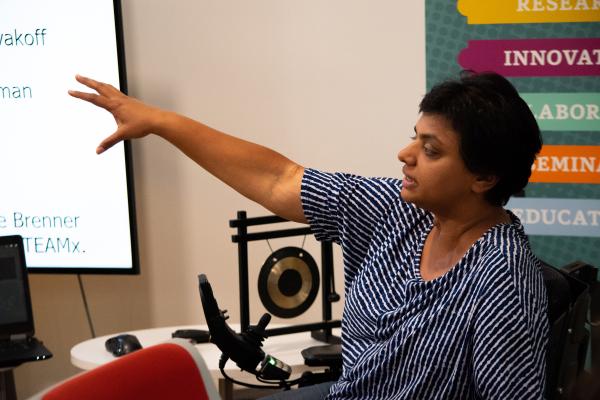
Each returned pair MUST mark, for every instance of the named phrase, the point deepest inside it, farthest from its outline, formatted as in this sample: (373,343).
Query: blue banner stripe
(558,217)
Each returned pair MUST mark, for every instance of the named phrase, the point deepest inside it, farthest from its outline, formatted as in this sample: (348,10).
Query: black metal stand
(320,330)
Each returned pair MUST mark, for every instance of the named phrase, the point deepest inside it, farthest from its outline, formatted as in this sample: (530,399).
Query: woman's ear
(483,183)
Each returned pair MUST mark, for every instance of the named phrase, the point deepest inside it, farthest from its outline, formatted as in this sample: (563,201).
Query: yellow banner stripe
(529,11)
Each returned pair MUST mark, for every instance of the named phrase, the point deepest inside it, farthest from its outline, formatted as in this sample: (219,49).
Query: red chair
(171,370)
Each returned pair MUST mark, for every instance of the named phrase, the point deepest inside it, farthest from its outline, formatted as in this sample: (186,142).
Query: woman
(444,298)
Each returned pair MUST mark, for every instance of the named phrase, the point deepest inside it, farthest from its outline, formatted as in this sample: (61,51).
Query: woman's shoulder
(509,246)
(507,259)
(349,183)
(379,192)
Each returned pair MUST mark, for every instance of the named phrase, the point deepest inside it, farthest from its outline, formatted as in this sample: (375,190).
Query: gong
(288,282)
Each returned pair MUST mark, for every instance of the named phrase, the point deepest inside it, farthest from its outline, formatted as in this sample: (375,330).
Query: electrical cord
(222,361)
(281,383)
(85,304)
(270,384)
(250,385)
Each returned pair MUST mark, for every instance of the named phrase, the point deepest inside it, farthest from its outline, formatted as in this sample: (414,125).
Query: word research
(557,5)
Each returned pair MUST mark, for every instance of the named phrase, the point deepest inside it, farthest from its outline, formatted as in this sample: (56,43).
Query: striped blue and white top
(478,332)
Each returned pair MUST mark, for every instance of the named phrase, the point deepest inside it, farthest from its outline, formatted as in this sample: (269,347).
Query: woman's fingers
(109,142)
(131,115)
(102,88)
(105,92)
(93,98)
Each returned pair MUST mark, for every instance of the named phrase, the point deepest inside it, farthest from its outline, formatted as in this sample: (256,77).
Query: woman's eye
(429,151)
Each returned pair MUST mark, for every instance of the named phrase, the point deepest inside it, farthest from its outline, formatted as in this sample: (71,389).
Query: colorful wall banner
(567,164)
(558,217)
(565,111)
(534,57)
(529,11)
(550,51)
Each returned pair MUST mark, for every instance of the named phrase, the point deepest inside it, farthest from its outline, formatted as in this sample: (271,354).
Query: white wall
(332,84)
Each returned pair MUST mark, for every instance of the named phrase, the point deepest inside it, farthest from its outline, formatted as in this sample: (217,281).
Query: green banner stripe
(565,111)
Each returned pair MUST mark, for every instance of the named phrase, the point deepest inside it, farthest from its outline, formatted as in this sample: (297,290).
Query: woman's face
(435,176)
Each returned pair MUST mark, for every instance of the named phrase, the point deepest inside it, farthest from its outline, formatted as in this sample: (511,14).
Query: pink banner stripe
(533,57)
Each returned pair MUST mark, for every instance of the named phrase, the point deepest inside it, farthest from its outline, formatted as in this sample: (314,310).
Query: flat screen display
(74,209)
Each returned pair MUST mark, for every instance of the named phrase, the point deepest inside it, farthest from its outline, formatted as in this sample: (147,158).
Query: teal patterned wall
(448,33)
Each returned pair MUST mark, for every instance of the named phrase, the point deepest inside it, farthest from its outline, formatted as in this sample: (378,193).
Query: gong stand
(319,330)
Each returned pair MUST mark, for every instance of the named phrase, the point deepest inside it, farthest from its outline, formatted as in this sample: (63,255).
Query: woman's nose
(406,154)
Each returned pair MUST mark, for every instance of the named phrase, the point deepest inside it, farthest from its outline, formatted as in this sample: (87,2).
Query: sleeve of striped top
(346,209)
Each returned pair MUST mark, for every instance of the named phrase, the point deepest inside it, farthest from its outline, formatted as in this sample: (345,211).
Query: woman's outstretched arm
(255,171)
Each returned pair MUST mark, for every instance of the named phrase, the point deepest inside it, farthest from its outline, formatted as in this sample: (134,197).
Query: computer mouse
(122,344)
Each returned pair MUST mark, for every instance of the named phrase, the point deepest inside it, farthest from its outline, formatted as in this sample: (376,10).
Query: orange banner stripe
(567,164)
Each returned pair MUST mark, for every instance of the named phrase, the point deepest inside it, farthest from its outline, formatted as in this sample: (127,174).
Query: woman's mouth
(408,182)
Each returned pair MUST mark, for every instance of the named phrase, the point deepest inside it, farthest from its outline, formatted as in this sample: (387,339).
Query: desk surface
(92,353)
